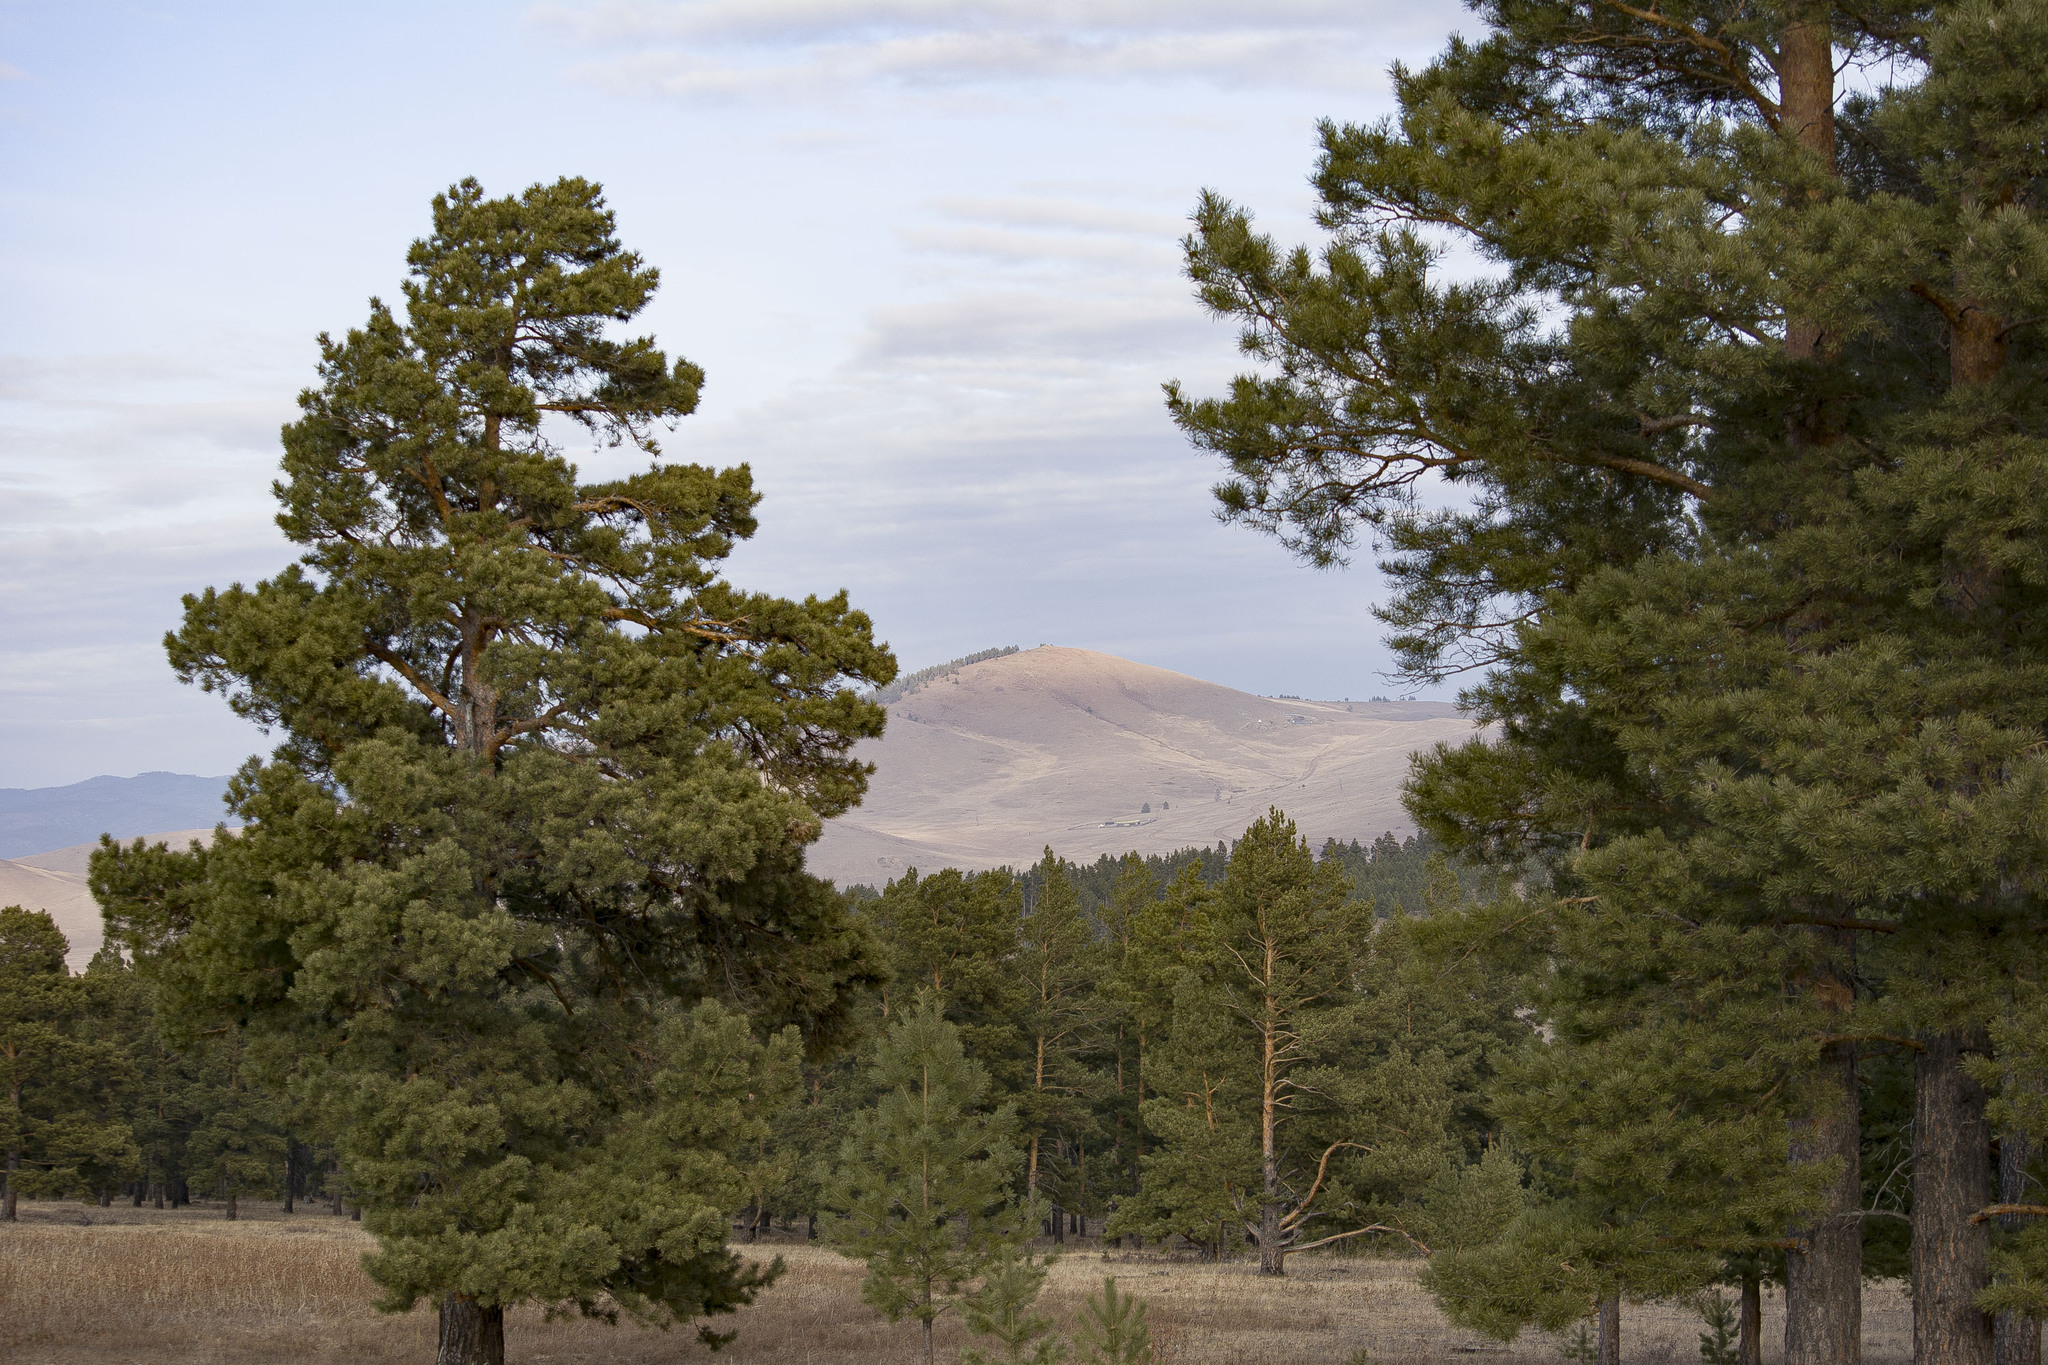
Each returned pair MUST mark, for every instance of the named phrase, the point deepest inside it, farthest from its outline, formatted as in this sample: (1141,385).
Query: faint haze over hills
(39,819)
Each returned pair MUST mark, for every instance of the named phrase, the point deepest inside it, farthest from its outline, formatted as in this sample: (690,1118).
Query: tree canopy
(520,894)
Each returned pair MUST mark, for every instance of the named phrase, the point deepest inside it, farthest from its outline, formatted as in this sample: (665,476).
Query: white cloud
(812,20)
(799,50)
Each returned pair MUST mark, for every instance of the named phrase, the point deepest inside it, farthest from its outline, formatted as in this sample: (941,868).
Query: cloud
(812,20)
(135,439)
(796,50)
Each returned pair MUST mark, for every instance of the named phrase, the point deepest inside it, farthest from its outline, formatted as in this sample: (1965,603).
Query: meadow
(139,1286)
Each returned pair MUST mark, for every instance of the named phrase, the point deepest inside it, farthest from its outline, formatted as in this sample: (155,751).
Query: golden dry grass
(127,1285)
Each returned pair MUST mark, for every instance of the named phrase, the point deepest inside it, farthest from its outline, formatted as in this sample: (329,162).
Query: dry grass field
(138,1287)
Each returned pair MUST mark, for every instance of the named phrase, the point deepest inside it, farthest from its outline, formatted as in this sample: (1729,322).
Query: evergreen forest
(1681,368)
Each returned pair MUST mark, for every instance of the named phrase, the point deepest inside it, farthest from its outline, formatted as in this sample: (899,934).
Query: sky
(926,250)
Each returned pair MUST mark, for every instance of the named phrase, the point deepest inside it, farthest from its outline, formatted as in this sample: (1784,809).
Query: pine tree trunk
(2016,1340)
(9,1197)
(1610,1330)
(471,1334)
(1272,1255)
(291,1169)
(1272,1260)
(234,1211)
(1951,1169)
(1749,1341)
(1824,1271)
(927,1322)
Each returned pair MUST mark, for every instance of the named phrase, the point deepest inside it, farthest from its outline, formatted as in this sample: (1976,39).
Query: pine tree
(1793,609)
(1283,943)
(1142,942)
(956,933)
(1202,1172)
(922,1189)
(1302,1095)
(1113,1327)
(101,1114)
(52,1132)
(1058,963)
(545,781)
(1005,1309)
(238,1143)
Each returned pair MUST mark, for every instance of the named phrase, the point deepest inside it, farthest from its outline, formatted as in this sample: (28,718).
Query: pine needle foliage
(1112,1327)
(922,1191)
(519,900)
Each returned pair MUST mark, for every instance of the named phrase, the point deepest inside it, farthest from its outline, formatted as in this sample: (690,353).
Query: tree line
(101,1104)
(1066,979)
(1736,391)
(1217,1049)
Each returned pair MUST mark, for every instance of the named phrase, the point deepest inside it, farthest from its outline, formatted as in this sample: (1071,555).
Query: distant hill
(55,882)
(990,761)
(39,819)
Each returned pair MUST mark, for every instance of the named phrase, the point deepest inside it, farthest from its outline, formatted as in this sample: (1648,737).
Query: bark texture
(471,1334)
(1824,1269)
(2016,1340)
(1951,1180)
(1749,1341)
(1272,1255)
(1610,1330)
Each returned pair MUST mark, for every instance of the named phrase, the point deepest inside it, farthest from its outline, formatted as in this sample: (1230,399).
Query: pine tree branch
(1827,1039)
(1402,1233)
(1322,1170)
(1868,926)
(2003,1210)
(412,675)
(1949,312)
(1652,471)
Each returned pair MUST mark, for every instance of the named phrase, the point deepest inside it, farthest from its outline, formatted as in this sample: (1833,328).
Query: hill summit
(990,762)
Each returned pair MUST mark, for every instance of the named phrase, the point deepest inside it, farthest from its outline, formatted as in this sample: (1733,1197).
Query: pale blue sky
(926,250)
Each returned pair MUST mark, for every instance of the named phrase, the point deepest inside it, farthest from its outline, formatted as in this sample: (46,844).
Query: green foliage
(56,1129)
(922,1188)
(1003,1309)
(236,1142)
(1058,962)
(1581,1348)
(519,907)
(1744,403)
(1113,1329)
(1718,1344)
(956,933)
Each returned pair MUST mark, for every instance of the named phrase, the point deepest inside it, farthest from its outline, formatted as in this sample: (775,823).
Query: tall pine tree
(546,779)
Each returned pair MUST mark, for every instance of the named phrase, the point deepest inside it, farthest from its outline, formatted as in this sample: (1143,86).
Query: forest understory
(141,1286)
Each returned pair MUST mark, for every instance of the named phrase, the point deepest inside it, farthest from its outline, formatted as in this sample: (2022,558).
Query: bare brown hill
(1087,752)
(55,882)
(1093,754)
